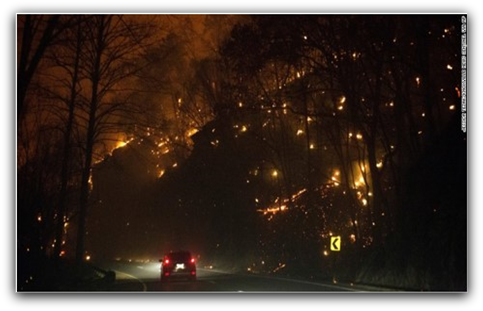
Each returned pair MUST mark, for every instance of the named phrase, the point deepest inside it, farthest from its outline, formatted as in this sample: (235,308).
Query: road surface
(144,277)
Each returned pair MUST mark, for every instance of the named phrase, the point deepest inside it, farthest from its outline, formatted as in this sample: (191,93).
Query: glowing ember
(191,132)
(121,144)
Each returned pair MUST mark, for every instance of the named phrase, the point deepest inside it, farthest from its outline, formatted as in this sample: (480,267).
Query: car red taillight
(166,261)
(192,260)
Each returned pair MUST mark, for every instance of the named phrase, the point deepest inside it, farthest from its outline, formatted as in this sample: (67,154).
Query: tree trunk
(86,171)
(61,213)
(377,198)
(424,41)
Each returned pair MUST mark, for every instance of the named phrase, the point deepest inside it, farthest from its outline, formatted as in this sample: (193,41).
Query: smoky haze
(131,218)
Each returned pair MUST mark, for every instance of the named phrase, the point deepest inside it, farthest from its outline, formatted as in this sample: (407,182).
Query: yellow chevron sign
(335,243)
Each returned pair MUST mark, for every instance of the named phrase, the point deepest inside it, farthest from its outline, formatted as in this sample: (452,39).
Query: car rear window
(180,256)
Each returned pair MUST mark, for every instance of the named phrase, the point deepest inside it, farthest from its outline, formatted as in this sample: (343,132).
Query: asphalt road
(144,277)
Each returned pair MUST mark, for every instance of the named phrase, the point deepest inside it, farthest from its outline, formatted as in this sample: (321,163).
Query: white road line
(145,288)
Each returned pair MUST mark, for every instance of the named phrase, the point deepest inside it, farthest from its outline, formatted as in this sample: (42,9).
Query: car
(178,265)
